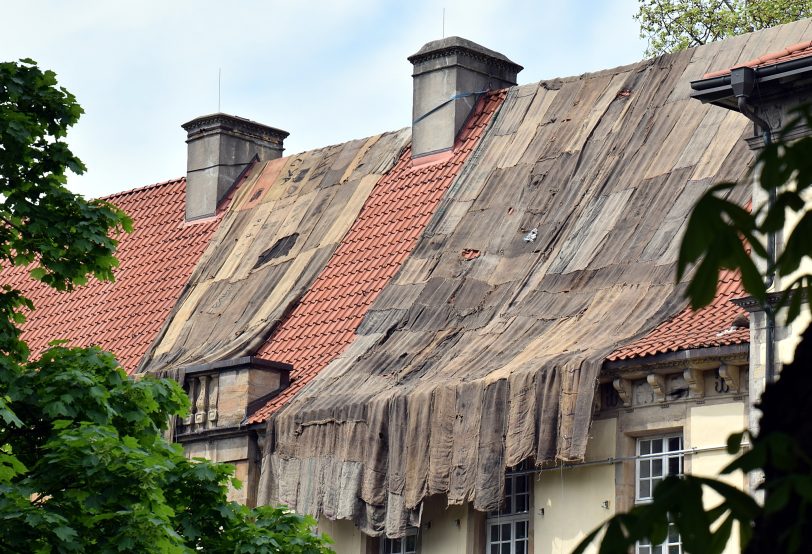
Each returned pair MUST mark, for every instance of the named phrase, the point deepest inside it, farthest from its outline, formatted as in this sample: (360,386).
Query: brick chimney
(220,147)
(448,74)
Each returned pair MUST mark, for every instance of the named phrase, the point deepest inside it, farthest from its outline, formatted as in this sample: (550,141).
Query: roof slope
(711,326)
(794,52)
(157,259)
(384,234)
(555,245)
(285,221)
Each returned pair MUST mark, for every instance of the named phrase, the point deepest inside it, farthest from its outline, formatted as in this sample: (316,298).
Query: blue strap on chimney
(455,97)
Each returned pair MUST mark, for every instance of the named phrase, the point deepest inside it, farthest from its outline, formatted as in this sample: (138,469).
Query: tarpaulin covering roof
(553,246)
(722,323)
(384,234)
(123,317)
(467,364)
(794,52)
(283,225)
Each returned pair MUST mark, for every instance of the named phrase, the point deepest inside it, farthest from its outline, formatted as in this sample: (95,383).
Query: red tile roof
(794,52)
(157,259)
(710,326)
(323,324)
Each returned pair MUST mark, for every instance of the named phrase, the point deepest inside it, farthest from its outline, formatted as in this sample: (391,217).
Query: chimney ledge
(457,45)
(221,122)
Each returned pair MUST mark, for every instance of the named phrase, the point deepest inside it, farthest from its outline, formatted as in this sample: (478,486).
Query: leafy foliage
(91,471)
(84,466)
(783,447)
(716,227)
(66,237)
(672,25)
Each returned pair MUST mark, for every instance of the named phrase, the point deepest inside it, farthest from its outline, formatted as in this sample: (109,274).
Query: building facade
(465,336)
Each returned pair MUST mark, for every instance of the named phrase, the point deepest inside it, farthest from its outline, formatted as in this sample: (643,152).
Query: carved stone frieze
(732,376)
(624,390)
(695,379)
(657,384)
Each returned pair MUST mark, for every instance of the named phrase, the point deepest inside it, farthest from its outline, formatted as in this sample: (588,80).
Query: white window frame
(657,458)
(401,545)
(514,515)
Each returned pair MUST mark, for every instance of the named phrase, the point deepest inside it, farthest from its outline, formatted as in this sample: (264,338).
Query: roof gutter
(744,83)
(765,73)
(769,80)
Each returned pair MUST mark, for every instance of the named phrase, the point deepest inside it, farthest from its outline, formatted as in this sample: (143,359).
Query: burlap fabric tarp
(557,243)
(285,221)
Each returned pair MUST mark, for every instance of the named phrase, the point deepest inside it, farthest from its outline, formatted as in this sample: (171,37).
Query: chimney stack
(220,147)
(448,74)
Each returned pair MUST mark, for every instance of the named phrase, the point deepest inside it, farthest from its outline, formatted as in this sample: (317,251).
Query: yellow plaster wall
(346,536)
(708,427)
(443,530)
(572,499)
(787,345)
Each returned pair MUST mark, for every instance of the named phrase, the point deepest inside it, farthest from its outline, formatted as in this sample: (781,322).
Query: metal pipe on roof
(743,81)
(765,71)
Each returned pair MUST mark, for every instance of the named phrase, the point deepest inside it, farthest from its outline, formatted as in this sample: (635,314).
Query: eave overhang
(771,81)
(671,362)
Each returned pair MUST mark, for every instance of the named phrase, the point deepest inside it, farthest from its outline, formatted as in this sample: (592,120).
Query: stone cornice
(220,122)
(459,50)
(673,362)
(799,131)
(450,46)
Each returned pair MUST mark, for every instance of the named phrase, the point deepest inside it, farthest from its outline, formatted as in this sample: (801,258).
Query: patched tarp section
(285,222)
(556,244)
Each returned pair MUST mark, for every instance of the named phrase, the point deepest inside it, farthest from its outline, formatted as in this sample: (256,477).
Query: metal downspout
(742,81)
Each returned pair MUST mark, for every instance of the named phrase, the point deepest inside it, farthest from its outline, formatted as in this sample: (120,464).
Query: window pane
(494,533)
(674,549)
(645,447)
(521,504)
(645,489)
(506,534)
(521,484)
(521,547)
(521,529)
(657,446)
(508,486)
(495,548)
(411,541)
(645,469)
(505,548)
(673,466)
(656,467)
(674,444)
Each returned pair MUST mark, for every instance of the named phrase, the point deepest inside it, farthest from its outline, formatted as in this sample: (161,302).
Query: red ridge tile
(794,52)
(157,259)
(708,327)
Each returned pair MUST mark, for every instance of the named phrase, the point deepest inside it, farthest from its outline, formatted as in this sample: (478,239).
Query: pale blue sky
(325,71)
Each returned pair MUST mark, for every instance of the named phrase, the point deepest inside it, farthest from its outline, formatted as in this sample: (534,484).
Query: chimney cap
(454,45)
(222,122)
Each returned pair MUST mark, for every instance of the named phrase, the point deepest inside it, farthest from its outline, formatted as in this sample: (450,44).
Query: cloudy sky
(325,71)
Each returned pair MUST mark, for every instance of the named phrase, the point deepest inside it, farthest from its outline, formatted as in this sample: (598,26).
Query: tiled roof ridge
(382,236)
(793,52)
(123,316)
(129,192)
